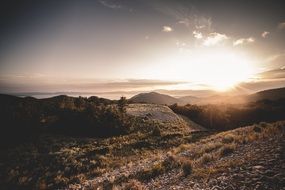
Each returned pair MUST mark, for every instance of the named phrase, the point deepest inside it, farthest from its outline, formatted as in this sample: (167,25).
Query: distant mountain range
(158,98)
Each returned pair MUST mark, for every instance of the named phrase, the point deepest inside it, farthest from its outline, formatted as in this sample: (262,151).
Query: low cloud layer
(54,84)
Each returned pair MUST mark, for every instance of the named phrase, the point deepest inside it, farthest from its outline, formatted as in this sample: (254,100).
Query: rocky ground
(259,165)
(165,116)
(255,162)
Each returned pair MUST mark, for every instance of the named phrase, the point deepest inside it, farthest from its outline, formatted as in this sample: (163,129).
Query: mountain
(183,93)
(158,98)
(272,94)
(155,98)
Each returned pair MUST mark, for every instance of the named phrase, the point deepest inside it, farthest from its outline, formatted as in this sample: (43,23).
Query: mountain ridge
(158,98)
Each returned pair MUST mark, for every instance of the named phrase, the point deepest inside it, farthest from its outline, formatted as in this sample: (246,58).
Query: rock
(216,188)
(258,167)
(257,187)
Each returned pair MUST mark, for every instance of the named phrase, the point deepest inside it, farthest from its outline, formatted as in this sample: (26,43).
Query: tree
(122,104)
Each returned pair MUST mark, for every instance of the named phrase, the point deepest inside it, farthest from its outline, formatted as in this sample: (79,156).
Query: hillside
(247,158)
(167,120)
(60,159)
(146,147)
(272,94)
(154,98)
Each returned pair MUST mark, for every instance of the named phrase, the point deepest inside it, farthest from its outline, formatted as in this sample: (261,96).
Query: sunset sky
(108,46)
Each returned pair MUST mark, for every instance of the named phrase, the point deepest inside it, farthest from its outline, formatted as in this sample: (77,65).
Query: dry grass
(132,184)
(223,144)
(210,147)
(206,158)
(74,160)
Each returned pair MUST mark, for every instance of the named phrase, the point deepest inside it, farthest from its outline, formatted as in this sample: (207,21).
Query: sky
(124,46)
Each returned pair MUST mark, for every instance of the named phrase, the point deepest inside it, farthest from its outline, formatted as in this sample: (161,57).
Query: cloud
(54,84)
(197,34)
(133,83)
(110,4)
(243,41)
(275,60)
(262,85)
(281,25)
(196,22)
(167,29)
(274,78)
(273,74)
(203,22)
(265,34)
(214,38)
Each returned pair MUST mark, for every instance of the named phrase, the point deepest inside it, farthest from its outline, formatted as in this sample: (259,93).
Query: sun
(216,69)
(223,70)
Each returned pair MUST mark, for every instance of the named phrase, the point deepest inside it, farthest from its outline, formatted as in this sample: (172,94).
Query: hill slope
(167,120)
(154,98)
(272,94)
(244,158)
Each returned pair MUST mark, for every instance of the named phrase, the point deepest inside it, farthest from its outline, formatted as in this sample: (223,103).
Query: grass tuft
(227,149)
(187,167)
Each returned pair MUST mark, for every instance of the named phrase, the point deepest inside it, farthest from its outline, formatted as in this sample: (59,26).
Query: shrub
(122,104)
(156,131)
(187,167)
(170,162)
(133,185)
(152,172)
(263,124)
(226,150)
(257,129)
(228,139)
(107,184)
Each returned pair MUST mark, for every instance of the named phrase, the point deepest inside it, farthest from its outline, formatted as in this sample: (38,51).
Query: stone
(258,167)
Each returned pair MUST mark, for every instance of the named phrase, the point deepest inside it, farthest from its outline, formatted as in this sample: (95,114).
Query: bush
(152,172)
(133,185)
(122,103)
(156,131)
(226,150)
(257,129)
(228,139)
(229,116)
(170,162)
(187,167)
